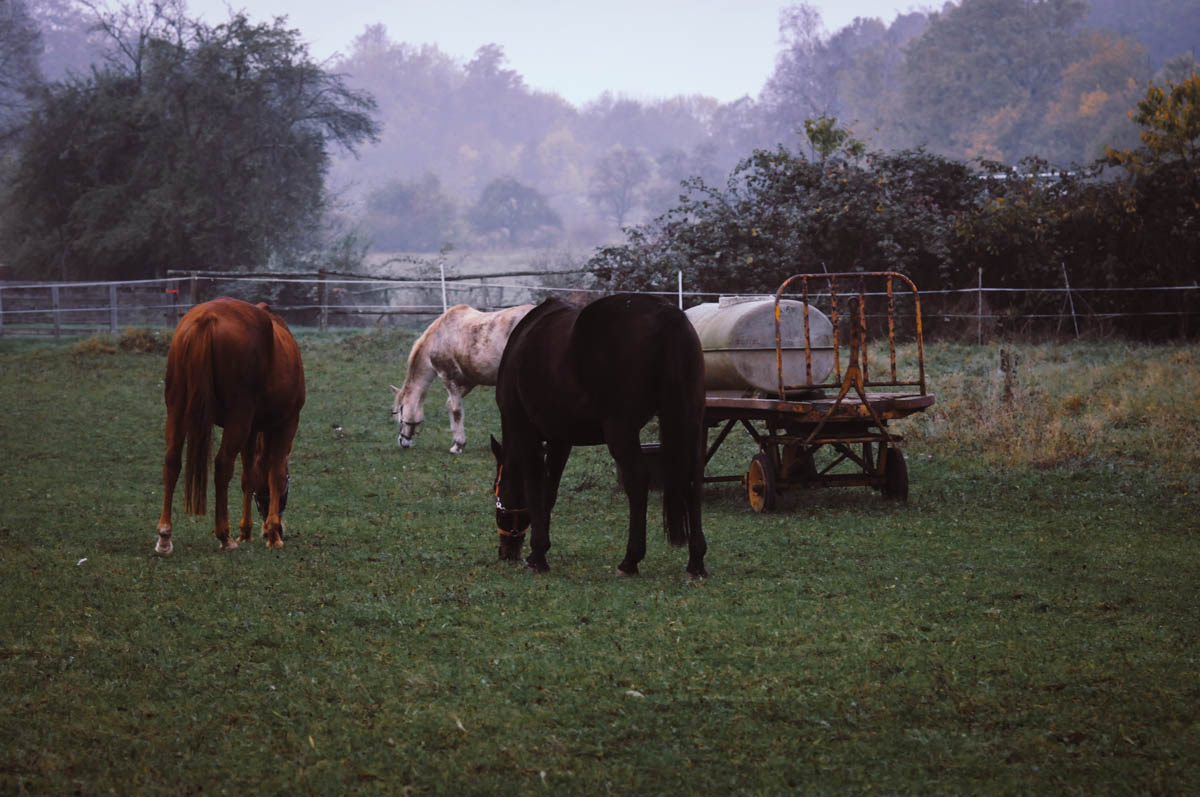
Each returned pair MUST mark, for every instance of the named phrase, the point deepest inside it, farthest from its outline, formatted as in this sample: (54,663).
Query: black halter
(407,430)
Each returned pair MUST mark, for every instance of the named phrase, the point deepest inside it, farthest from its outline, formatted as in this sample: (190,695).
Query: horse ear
(497,451)
(394,389)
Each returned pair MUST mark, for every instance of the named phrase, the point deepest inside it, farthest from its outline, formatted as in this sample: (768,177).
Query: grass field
(1027,624)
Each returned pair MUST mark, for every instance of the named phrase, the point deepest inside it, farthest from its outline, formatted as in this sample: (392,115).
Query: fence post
(1071,300)
(193,287)
(680,289)
(979,310)
(57,319)
(442,270)
(112,308)
(1,310)
(324,324)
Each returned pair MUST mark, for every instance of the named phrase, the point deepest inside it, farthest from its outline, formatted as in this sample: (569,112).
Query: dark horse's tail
(196,369)
(681,430)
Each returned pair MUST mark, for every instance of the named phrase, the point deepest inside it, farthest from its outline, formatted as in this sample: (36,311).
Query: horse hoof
(228,545)
(457,449)
(623,573)
(698,574)
(163,550)
(536,567)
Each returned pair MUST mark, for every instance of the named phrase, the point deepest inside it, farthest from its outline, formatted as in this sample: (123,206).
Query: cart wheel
(896,487)
(760,483)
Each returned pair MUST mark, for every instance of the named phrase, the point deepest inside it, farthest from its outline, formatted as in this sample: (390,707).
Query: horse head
(512,523)
(262,498)
(408,412)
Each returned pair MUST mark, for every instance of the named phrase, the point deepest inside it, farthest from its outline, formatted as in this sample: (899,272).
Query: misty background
(463,152)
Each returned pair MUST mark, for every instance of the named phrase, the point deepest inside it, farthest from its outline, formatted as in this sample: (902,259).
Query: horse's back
(466,344)
(246,352)
(623,344)
(572,368)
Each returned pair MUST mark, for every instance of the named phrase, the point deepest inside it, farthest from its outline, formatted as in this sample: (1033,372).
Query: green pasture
(1028,623)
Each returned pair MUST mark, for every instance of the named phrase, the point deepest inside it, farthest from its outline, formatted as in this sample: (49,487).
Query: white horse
(462,347)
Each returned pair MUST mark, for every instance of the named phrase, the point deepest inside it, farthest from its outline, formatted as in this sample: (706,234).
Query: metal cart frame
(792,425)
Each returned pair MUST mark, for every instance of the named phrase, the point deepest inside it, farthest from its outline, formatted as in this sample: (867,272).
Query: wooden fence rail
(324,298)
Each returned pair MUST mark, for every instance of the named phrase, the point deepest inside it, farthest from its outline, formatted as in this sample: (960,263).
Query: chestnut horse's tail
(200,411)
(682,432)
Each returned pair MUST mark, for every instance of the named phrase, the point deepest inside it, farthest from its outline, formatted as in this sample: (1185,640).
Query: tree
(1158,201)
(868,68)
(194,145)
(410,216)
(512,210)
(979,80)
(71,41)
(780,214)
(1167,28)
(856,73)
(1170,117)
(1089,109)
(617,182)
(802,85)
(20,47)
(826,137)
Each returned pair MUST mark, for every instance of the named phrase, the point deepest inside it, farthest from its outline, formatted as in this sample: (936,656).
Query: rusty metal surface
(889,406)
(853,422)
(863,287)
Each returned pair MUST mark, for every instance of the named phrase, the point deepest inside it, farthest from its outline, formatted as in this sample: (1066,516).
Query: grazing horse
(235,365)
(463,347)
(597,375)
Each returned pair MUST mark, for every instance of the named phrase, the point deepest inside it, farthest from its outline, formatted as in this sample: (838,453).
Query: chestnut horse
(235,365)
(462,347)
(597,375)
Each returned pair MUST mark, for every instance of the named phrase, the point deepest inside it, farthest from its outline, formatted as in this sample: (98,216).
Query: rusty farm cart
(814,375)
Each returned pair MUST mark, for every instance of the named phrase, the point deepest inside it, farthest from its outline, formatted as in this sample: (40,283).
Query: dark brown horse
(235,365)
(597,376)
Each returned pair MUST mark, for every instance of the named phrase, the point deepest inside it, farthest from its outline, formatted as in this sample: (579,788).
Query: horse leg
(172,463)
(248,486)
(537,490)
(544,496)
(237,429)
(556,461)
(626,449)
(277,446)
(456,391)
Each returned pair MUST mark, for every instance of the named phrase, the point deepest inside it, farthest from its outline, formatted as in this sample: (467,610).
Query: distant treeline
(1118,230)
(997,80)
(992,134)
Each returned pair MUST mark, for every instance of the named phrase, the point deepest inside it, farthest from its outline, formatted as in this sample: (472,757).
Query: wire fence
(329,299)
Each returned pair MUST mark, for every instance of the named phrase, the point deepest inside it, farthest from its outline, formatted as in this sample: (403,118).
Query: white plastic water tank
(738,337)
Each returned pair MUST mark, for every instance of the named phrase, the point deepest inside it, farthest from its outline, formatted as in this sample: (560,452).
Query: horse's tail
(681,432)
(196,364)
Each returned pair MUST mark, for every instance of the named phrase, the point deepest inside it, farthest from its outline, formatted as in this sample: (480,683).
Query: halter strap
(499,505)
(512,513)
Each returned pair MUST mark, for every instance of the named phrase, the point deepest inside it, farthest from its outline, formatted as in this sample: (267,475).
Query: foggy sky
(642,49)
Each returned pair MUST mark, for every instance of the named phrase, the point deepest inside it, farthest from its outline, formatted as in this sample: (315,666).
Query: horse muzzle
(263,500)
(407,432)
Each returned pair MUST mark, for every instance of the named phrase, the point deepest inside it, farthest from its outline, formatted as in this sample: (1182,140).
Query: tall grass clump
(1049,405)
